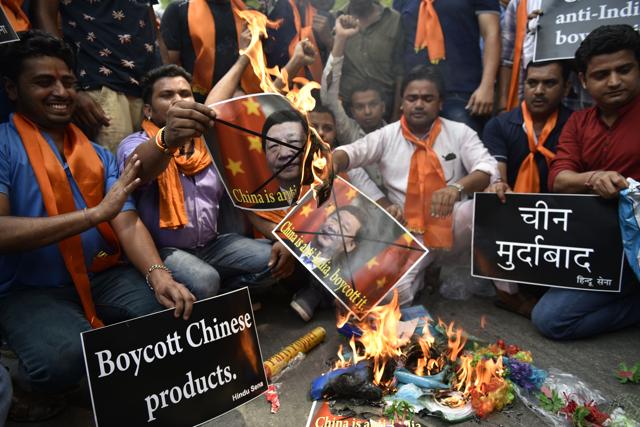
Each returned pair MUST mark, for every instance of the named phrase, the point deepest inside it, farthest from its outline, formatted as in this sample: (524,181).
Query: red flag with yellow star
(258,145)
(351,245)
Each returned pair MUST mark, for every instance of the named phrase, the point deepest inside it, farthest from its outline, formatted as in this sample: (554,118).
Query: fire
(485,372)
(299,95)
(473,380)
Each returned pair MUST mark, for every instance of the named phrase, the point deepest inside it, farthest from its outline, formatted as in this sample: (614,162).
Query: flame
(485,372)
(299,95)
(483,321)
(425,342)
(381,343)
(456,341)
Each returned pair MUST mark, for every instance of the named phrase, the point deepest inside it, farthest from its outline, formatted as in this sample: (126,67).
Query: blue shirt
(505,138)
(43,267)
(462,68)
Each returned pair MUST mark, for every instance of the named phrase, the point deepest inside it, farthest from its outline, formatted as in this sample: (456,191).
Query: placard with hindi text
(565,241)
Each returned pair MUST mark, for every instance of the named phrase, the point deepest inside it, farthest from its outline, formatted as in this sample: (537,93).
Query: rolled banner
(279,361)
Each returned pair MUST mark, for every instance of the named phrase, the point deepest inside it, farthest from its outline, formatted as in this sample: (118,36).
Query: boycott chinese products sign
(7,33)
(157,370)
(259,146)
(351,245)
(565,241)
(565,23)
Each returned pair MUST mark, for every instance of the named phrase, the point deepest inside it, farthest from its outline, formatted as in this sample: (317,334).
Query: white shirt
(388,148)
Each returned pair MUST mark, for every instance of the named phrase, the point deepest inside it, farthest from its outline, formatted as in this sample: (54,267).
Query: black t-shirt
(506,140)
(175,32)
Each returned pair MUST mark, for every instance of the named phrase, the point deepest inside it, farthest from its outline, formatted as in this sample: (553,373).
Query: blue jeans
(43,325)
(231,261)
(453,108)
(6,391)
(567,314)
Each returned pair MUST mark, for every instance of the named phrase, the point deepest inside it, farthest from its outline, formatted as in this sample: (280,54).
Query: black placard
(565,23)
(7,33)
(189,372)
(565,241)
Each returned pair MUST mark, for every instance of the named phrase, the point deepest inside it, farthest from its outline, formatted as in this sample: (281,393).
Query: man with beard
(523,141)
(336,242)
(598,149)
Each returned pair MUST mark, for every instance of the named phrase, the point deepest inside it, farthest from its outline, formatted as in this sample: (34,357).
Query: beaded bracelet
(162,145)
(151,269)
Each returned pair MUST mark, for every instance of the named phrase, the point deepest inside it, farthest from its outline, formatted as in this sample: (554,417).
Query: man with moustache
(523,141)
(428,165)
(181,203)
(65,219)
(598,149)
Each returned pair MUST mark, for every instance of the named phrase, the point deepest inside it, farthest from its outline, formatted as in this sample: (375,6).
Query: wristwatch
(458,187)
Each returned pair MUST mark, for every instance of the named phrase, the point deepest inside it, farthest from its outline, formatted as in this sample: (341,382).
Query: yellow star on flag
(252,106)
(306,210)
(407,238)
(351,194)
(255,143)
(381,282)
(372,263)
(234,167)
(329,209)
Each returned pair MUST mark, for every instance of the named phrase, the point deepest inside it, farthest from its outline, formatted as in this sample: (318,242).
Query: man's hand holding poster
(351,245)
(263,150)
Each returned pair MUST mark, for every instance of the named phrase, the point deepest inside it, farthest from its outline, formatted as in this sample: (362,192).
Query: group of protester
(92,233)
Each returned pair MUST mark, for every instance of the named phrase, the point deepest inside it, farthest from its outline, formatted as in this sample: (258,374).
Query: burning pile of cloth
(408,366)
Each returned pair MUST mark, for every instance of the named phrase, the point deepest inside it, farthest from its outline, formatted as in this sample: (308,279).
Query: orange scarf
(17,18)
(425,177)
(429,32)
(528,180)
(88,173)
(202,30)
(306,32)
(521,29)
(172,211)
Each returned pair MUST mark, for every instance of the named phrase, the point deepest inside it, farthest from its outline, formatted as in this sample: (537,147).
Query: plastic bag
(563,384)
(629,214)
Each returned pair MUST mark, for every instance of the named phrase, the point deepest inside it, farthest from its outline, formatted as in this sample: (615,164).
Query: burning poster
(351,245)
(261,146)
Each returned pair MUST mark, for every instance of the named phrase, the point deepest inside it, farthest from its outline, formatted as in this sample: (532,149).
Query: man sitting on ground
(181,206)
(524,141)
(64,216)
(428,164)
(598,149)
